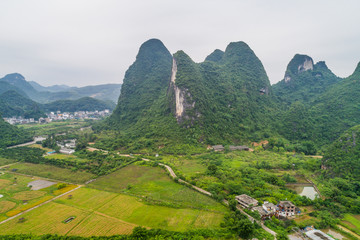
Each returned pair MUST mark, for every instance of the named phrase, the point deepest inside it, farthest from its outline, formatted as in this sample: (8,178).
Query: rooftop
(246,199)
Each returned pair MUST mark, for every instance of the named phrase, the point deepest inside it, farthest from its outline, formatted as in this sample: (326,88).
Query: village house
(246,201)
(286,209)
(263,213)
(267,210)
(270,207)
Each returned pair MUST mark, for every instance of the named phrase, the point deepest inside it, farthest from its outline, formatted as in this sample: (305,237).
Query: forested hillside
(225,99)
(304,81)
(11,135)
(13,104)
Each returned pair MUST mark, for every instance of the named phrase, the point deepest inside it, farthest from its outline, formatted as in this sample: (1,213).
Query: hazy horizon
(92,42)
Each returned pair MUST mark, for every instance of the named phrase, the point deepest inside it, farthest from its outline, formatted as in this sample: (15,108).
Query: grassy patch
(6,206)
(53,172)
(188,166)
(99,225)
(53,127)
(4,161)
(352,222)
(41,147)
(28,195)
(67,157)
(154,186)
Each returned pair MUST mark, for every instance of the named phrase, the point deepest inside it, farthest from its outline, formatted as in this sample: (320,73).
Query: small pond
(303,190)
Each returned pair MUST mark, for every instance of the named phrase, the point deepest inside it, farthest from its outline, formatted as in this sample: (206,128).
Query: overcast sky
(88,42)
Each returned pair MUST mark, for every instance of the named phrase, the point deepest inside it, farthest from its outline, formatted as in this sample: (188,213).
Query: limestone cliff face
(299,64)
(182,97)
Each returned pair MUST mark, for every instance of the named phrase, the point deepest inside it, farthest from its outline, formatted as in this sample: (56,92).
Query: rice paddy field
(102,213)
(154,186)
(17,197)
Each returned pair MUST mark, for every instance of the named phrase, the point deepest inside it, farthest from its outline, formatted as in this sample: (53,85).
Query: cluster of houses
(283,209)
(59,116)
(66,147)
(19,120)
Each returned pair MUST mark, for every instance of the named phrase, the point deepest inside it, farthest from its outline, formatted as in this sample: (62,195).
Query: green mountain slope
(14,104)
(226,100)
(145,82)
(304,81)
(82,104)
(166,99)
(11,135)
(342,157)
(337,109)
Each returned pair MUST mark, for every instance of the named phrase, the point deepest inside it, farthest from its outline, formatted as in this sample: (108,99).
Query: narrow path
(257,221)
(28,143)
(8,165)
(41,204)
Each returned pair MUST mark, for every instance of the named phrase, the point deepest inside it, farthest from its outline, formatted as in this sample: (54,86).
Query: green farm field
(53,172)
(4,161)
(72,158)
(105,213)
(188,167)
(155,187)
(53,127)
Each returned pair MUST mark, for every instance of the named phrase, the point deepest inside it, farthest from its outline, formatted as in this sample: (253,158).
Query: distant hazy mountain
(5,86)
(54,88)
(82,104)
(18,81)
(39,93)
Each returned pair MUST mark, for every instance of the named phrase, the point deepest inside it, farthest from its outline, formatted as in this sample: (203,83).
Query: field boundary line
(41,204)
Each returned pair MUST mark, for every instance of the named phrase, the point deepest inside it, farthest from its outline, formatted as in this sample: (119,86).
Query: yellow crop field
(130,209)
(87,198)
(28,195)
(100,225)
(4,183)
(64,190)
(22,208)
(45,219)
(6,206)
